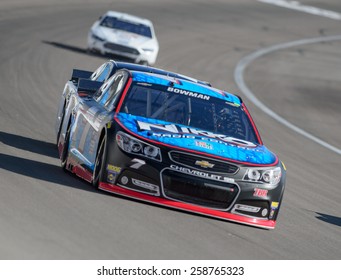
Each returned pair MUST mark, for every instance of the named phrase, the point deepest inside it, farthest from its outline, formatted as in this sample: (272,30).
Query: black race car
(168,139)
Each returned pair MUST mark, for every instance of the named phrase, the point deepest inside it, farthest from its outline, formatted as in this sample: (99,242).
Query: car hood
(197,140)
(122,37)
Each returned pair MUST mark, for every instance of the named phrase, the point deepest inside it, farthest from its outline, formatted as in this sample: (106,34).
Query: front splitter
(267,224)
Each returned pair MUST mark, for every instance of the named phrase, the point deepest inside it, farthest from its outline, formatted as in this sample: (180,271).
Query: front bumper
(182,180)
(134,54)
(267,224)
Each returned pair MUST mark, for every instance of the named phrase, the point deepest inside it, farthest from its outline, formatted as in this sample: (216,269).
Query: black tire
(61,124)
(99,163)
(65,151)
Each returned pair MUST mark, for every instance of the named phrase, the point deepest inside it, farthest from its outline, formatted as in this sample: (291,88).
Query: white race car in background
(124,35)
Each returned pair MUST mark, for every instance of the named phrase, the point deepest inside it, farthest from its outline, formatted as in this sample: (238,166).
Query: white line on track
(295,5)
(247,60)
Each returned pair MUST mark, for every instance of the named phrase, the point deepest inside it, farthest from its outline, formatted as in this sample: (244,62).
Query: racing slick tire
(65,152)
(61,123)
(99,162)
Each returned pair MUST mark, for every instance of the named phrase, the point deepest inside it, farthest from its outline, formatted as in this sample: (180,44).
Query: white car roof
(128,17)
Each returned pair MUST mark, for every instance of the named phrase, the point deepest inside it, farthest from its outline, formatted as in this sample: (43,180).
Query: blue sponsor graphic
(184,85)
(188,138)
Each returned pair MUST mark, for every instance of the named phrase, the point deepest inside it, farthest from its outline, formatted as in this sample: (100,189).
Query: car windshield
(115,23)
(198,111)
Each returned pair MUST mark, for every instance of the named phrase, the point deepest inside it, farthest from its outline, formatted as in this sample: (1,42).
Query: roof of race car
(184,86)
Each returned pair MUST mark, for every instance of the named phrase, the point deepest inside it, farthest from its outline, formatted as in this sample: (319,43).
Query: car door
(91,118)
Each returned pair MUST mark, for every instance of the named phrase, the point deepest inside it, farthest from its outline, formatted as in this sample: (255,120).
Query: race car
(171,141)
(124,35)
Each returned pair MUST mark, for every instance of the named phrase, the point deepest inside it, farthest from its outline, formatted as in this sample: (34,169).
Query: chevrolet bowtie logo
(204,164)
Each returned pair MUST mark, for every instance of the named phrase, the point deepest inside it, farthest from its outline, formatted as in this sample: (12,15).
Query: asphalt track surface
(48,214)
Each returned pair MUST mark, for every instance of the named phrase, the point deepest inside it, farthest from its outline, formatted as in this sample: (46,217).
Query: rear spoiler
(80,74)
(88,86)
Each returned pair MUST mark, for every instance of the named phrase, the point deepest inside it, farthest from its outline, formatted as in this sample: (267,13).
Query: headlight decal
(253,174)
(135,146)
(271,176)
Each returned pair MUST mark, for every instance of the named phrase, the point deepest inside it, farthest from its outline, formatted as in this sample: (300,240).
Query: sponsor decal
(188,93)
(274,205)
(202,174)
(177,131)
(246,208)
(113,168)
(182,136)
(204,164)
(204,145)
(111,177)
(260,192)
(137,163)
(145,185)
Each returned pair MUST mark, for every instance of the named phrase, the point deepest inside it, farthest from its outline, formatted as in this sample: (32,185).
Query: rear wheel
(99,163)
(61,124)
(65,151)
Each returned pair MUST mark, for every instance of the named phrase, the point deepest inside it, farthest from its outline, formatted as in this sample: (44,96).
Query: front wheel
(99,163)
